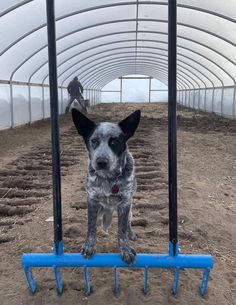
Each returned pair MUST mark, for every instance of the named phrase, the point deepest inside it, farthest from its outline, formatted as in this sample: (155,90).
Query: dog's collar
(115,189)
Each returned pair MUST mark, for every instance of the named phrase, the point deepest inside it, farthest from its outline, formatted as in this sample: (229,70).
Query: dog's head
(106,142)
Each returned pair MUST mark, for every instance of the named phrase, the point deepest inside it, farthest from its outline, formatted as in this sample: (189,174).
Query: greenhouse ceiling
(101,40)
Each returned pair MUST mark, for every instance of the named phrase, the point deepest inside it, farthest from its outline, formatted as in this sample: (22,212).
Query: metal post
(172,143)
(204,107)
(121,89)
(43,98)
(213,99)
(199,95)
(222,101)
(11,104)
(29,104)
(150,87)
(56,174)
(234,99)
(62,100)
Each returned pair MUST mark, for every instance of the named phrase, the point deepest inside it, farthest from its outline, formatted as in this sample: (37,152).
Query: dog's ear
(84,125)
(130,124)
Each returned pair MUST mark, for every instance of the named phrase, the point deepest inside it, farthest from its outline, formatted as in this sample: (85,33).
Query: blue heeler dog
(110,181)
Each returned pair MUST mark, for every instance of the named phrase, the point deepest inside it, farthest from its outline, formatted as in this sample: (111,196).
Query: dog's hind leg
(107,220)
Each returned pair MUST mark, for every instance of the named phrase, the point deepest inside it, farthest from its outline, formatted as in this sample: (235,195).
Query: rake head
(112,260)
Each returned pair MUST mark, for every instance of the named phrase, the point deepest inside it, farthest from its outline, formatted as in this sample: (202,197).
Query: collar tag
(115,189)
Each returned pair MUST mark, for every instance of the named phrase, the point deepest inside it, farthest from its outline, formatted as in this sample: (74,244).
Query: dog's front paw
(128,254)
(88,249)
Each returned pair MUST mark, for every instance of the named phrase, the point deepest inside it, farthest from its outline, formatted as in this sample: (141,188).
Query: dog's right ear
(84,125)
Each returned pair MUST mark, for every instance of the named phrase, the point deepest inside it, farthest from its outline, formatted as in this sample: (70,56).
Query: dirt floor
(206,192)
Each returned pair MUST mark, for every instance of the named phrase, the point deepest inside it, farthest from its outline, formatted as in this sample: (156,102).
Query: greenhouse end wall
(221,101)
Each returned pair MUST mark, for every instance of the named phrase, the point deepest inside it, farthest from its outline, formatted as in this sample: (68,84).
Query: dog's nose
(102,163)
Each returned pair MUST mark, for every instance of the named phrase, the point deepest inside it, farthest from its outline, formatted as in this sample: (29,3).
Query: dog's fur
(110,180)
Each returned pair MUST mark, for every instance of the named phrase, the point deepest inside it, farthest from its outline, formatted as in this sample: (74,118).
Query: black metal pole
(56,174)
(172,146)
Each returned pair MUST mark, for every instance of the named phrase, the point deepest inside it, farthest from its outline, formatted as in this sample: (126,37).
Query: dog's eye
(114,141)
(95,142)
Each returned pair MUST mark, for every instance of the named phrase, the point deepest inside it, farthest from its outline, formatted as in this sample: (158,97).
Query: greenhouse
(166,72)
(103,40)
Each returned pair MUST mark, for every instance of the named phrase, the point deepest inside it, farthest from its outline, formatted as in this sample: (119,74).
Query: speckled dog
(110,181)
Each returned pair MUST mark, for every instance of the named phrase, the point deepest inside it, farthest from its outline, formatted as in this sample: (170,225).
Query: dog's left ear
(130,124)
(83,124)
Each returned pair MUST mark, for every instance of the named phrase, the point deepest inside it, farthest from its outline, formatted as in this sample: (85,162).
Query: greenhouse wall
(31,103)
(221,101)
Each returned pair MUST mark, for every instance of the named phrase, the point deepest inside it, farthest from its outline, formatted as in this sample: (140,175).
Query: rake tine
(30,279)
(145,282)
(87,281)
(176,281)
(205,278)
(58,280)
(116,289)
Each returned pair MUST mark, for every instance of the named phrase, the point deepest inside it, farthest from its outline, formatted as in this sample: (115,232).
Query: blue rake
(59,259)
(146,261)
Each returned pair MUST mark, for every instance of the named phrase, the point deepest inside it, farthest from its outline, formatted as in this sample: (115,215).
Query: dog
(111,181)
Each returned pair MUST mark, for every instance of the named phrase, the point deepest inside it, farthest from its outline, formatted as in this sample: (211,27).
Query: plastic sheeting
(139,88)
(100,40)
(217,100)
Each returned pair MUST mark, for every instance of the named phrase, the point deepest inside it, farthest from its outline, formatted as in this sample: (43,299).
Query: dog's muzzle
(102,163)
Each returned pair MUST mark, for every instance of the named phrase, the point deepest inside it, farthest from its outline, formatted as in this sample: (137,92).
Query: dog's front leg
(89,247)
(127,253)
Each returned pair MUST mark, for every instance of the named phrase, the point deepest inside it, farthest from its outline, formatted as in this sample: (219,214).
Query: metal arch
(160,64)
(185,56)
(180,55)
(124,32)
(14,7)
(149,40)
(153,54)
(156,56)
(208,79)
(118,72)
(118,21)
(119,4)
(155,68)
(161,73)
(105,80)
(163,33)
(108,77)
(161,79)
(149,73)
(146,71)
(200,29)
(141,52)
(164,55)
(165,70)
(71,74)
(126,57)
(197,28)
